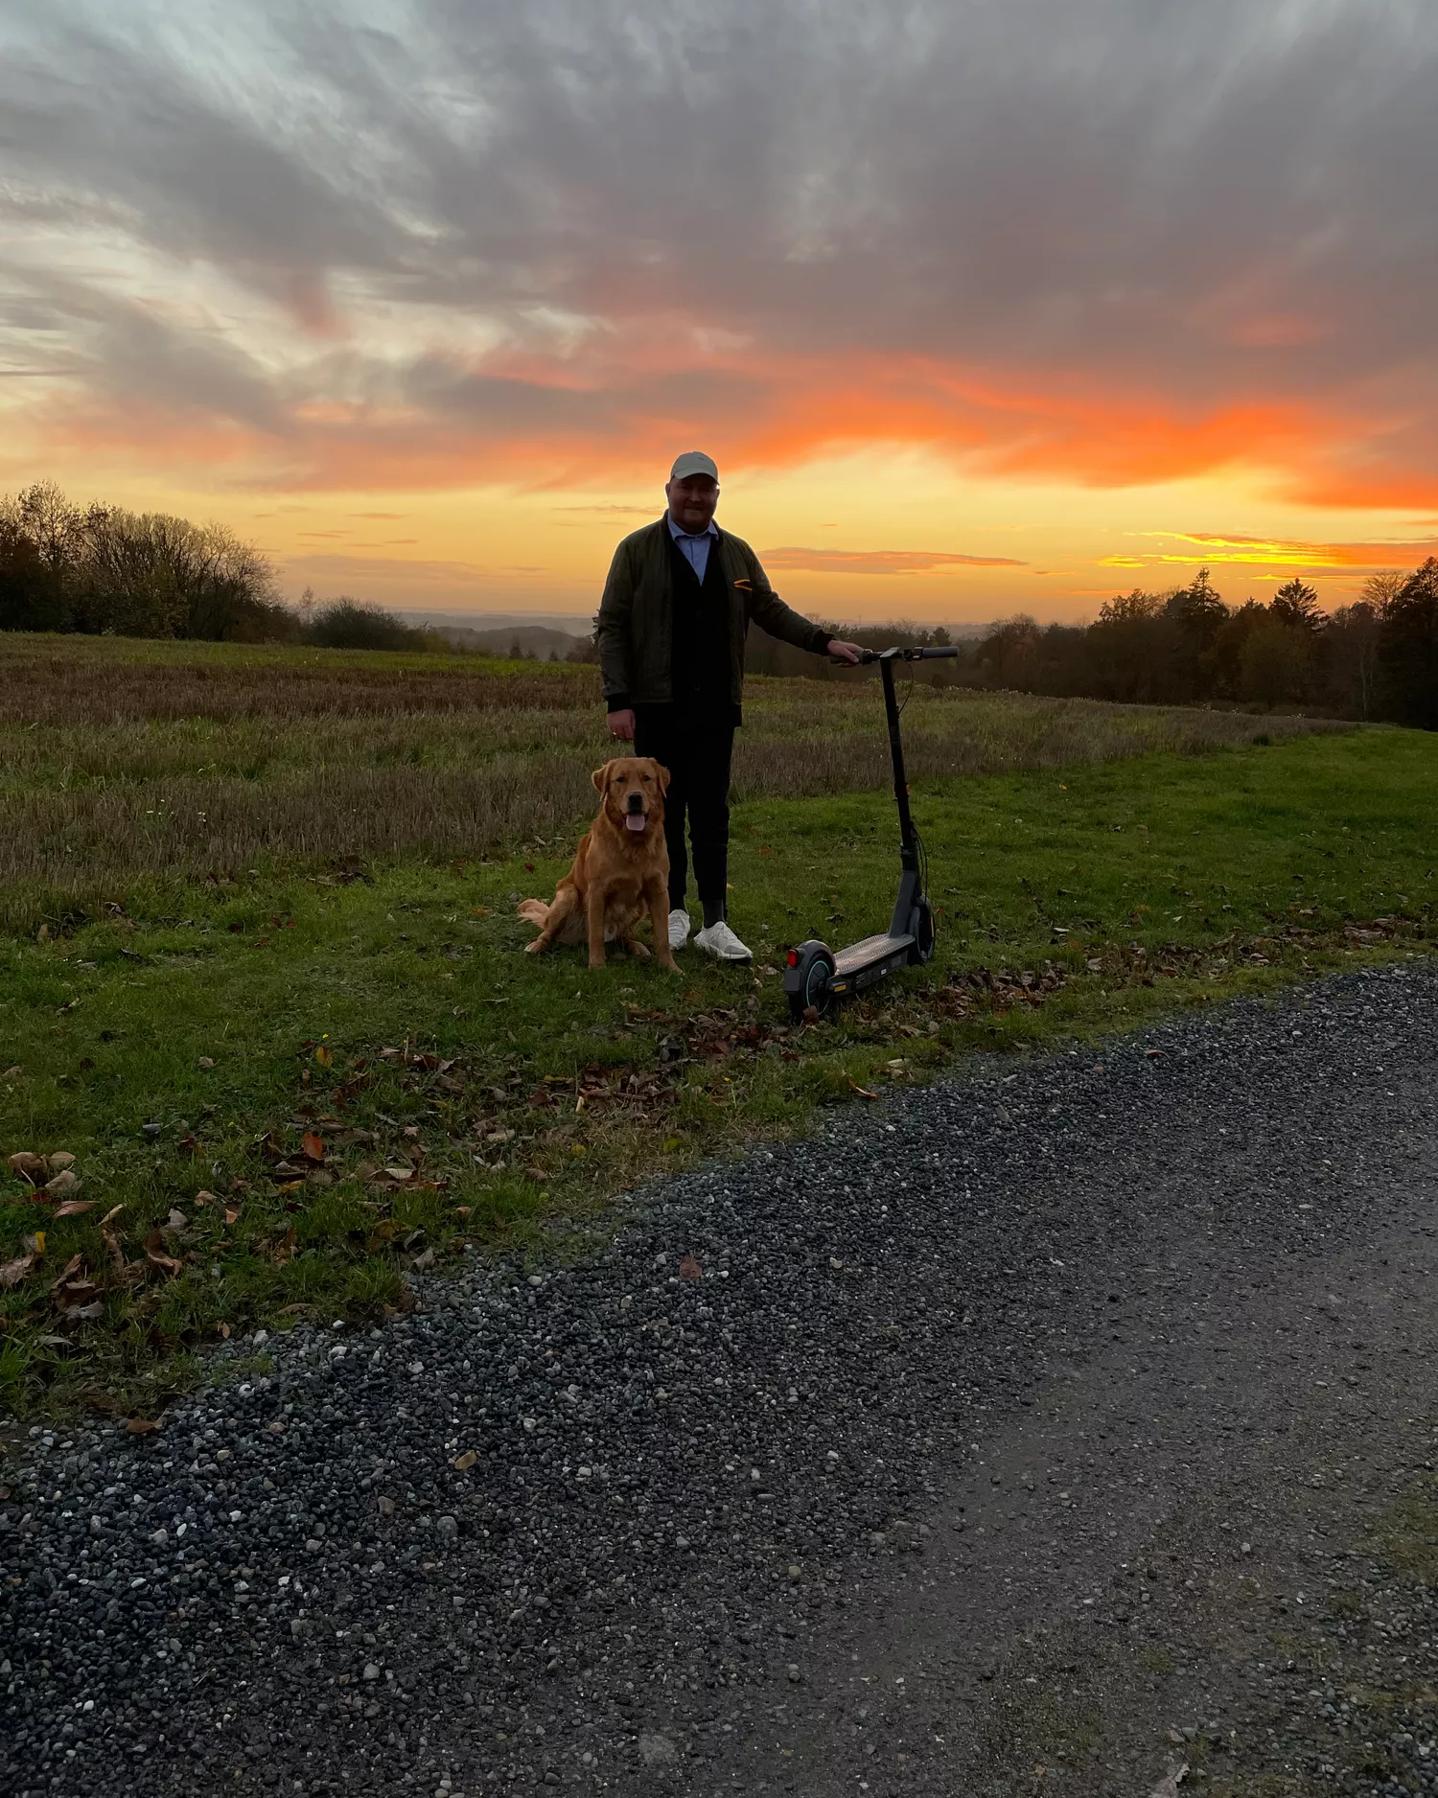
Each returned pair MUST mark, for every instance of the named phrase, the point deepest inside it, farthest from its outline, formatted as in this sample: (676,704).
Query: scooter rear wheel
(922,927)
(815,973)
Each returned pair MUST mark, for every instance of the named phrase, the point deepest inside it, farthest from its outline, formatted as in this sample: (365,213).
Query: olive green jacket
(636,616)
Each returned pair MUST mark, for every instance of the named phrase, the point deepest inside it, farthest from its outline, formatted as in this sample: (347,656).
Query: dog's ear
(663,774)
(600,777)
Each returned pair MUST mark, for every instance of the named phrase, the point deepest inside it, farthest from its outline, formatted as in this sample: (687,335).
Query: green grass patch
(297,1089)
(1407,1534)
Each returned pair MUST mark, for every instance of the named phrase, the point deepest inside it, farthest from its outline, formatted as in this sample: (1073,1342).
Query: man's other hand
(621,724)
(843,652)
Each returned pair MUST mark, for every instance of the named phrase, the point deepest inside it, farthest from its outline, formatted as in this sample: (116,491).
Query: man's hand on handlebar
(839,651)
(621,724)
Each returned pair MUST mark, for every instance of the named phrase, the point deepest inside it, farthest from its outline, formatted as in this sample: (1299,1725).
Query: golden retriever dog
(620,871)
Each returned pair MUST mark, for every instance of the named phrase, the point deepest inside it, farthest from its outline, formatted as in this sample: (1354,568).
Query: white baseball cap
(693,462)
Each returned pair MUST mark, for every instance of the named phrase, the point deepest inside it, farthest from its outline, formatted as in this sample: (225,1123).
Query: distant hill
(538,640)
(566,623)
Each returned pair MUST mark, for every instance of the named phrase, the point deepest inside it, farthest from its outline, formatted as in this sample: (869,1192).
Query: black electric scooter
(816,978)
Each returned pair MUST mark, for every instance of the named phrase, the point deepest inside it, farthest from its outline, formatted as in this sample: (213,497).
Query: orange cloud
(879,561)
(1276,552)
(617,414)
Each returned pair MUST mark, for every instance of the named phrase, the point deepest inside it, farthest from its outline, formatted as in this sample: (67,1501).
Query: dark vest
(700,667)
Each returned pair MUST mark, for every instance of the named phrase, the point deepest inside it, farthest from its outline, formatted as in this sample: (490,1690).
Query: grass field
(260,973)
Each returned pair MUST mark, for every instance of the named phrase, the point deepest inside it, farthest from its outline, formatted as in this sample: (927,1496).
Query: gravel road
(1056,1428)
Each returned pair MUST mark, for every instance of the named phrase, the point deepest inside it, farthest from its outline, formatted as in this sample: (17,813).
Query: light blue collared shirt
(696,548)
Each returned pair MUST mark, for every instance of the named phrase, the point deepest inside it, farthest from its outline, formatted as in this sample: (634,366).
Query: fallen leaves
(996,990)
(111,1241)
(689,1269)
(74,1294)
(13,1272)
(283,1248)
(463,1463)
(605,1089)
(156,1255)
(38,1170)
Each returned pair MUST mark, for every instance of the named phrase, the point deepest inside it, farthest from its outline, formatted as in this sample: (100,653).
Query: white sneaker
(719,940)
(679,927)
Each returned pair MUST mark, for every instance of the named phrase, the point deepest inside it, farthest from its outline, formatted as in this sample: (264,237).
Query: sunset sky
(981,307)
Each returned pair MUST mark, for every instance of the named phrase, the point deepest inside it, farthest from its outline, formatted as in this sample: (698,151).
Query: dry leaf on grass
(71,1267)
(32,1168)
(63,1184)
(117,1254)
(313,1145)
(13,1272)
(74,1207)
(74,1294)
(156,1256)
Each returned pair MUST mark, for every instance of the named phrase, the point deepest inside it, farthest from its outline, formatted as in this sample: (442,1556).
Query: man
(677,606)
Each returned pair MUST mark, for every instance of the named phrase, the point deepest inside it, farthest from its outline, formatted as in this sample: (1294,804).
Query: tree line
(1375,658)
(102,570)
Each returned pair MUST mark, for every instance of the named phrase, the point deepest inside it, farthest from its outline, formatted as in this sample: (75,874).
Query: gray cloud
(1193,207)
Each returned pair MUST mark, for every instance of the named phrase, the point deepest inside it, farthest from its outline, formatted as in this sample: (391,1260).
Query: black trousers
(696,744)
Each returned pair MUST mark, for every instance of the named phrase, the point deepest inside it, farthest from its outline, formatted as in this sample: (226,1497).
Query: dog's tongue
(635,820)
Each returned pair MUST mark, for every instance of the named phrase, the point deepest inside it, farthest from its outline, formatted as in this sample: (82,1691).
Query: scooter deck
(873,948)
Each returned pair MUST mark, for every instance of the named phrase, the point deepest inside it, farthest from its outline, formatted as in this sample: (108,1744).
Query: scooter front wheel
(811,989)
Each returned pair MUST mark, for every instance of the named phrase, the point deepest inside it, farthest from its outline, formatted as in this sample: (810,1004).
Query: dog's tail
(534,911)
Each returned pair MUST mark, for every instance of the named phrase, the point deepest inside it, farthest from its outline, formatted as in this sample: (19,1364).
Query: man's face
(692,501)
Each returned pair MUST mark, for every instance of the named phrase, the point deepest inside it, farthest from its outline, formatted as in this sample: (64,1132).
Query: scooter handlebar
(899,653)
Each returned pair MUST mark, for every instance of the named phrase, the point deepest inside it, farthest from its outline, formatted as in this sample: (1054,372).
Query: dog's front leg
(657,891)
(594,910)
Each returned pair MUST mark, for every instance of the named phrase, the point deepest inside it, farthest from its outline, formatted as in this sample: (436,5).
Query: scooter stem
(908,847)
